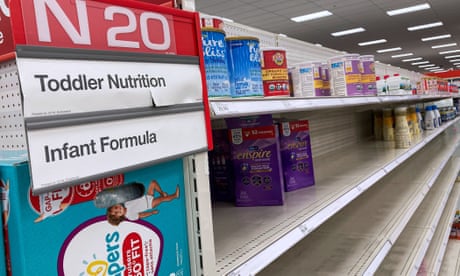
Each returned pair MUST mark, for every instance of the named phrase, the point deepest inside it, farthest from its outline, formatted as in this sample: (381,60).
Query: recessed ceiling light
(449,52)
(444,45)
(409,9)
(403,55)
(454,56)
(389,50)
(412,59)
(425,26)
(347,32)
(436,37)
(311,16)
(426,65)
(420,62)
(372,42)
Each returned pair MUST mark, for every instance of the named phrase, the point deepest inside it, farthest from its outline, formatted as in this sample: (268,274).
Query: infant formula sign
(215,62)
(275,72)
(244,66)
(346,75)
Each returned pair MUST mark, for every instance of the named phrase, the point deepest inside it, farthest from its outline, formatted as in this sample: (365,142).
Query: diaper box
(296,155)
(128,224)
(257,166)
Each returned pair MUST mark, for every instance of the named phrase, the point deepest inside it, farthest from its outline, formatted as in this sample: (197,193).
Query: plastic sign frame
(107,27)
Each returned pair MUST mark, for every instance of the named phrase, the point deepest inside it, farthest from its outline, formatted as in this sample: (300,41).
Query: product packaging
(296,155)
(74,231)
(257,166)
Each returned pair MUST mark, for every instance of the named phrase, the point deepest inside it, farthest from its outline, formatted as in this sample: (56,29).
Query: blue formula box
(133,223)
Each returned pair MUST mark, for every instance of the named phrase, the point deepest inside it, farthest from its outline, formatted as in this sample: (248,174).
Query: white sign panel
(58,87)
(67,154)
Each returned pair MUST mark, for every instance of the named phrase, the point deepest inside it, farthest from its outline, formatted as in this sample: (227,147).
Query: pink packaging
(296,155)
(257,166)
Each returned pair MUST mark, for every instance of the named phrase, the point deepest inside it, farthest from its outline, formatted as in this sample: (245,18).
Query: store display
(296,155)
(244,66)
(76,237)
(346,75)
(215,62)
(274,72)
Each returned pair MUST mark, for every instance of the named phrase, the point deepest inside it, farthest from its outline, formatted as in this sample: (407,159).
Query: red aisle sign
(6,39)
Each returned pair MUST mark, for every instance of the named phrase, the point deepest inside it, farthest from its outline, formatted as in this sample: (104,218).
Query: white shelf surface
(356,240)
(231,107)
(406,255)
(451,263)
(247,239)
(434,256)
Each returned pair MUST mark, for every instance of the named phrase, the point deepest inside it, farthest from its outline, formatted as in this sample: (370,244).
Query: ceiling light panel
(425,65)
(454,56)
(425,26)
(449,52)
(436,37)
(403,55)
(311,16)
(420,62)
(348,32)
(389,50)
(378,41)
(412,59)
(409,9)
(444,45)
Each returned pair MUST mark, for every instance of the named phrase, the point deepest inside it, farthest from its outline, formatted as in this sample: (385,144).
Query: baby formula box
(368,78)
(296,155)
(215,62)
(307,79)
(257,166)
(244,66)
(326,79)
(346,75)
(128,224)
(274,72)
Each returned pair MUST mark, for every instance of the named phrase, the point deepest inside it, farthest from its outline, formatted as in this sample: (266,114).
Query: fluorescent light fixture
(449,52)
(454,60)
(378,41)
(434,67)
(454,56)
(311,16)
(411,59)
(426,65)
(444,45)
(436,37)
(457,63)
(425,26)
(437,70)
(403,55)
(389,50)
(347,32)
(420,62)
(409,9)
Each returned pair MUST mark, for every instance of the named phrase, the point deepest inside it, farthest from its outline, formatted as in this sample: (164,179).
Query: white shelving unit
(357,240)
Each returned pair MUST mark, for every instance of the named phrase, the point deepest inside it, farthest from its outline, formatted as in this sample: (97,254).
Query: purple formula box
(296,155)
(249,121)
(257,166)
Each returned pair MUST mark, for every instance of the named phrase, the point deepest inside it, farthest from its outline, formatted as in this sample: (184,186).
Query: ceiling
(274,16)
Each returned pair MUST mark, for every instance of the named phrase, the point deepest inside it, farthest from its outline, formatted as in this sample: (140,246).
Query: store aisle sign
(58,86)
(103,25)
(70,155)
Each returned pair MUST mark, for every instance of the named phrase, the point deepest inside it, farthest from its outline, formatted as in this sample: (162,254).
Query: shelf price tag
(220,109)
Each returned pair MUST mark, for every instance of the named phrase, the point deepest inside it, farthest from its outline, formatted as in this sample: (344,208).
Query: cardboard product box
(111,226)
(220,168)
(257,166)
(296,155)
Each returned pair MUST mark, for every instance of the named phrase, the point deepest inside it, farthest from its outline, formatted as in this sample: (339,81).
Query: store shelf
(357,240)
(248,239)
(451,263)
(223,108)
(406,255)
(435,254)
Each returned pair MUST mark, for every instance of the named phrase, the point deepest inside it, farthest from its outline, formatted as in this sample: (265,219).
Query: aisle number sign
(83,59)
